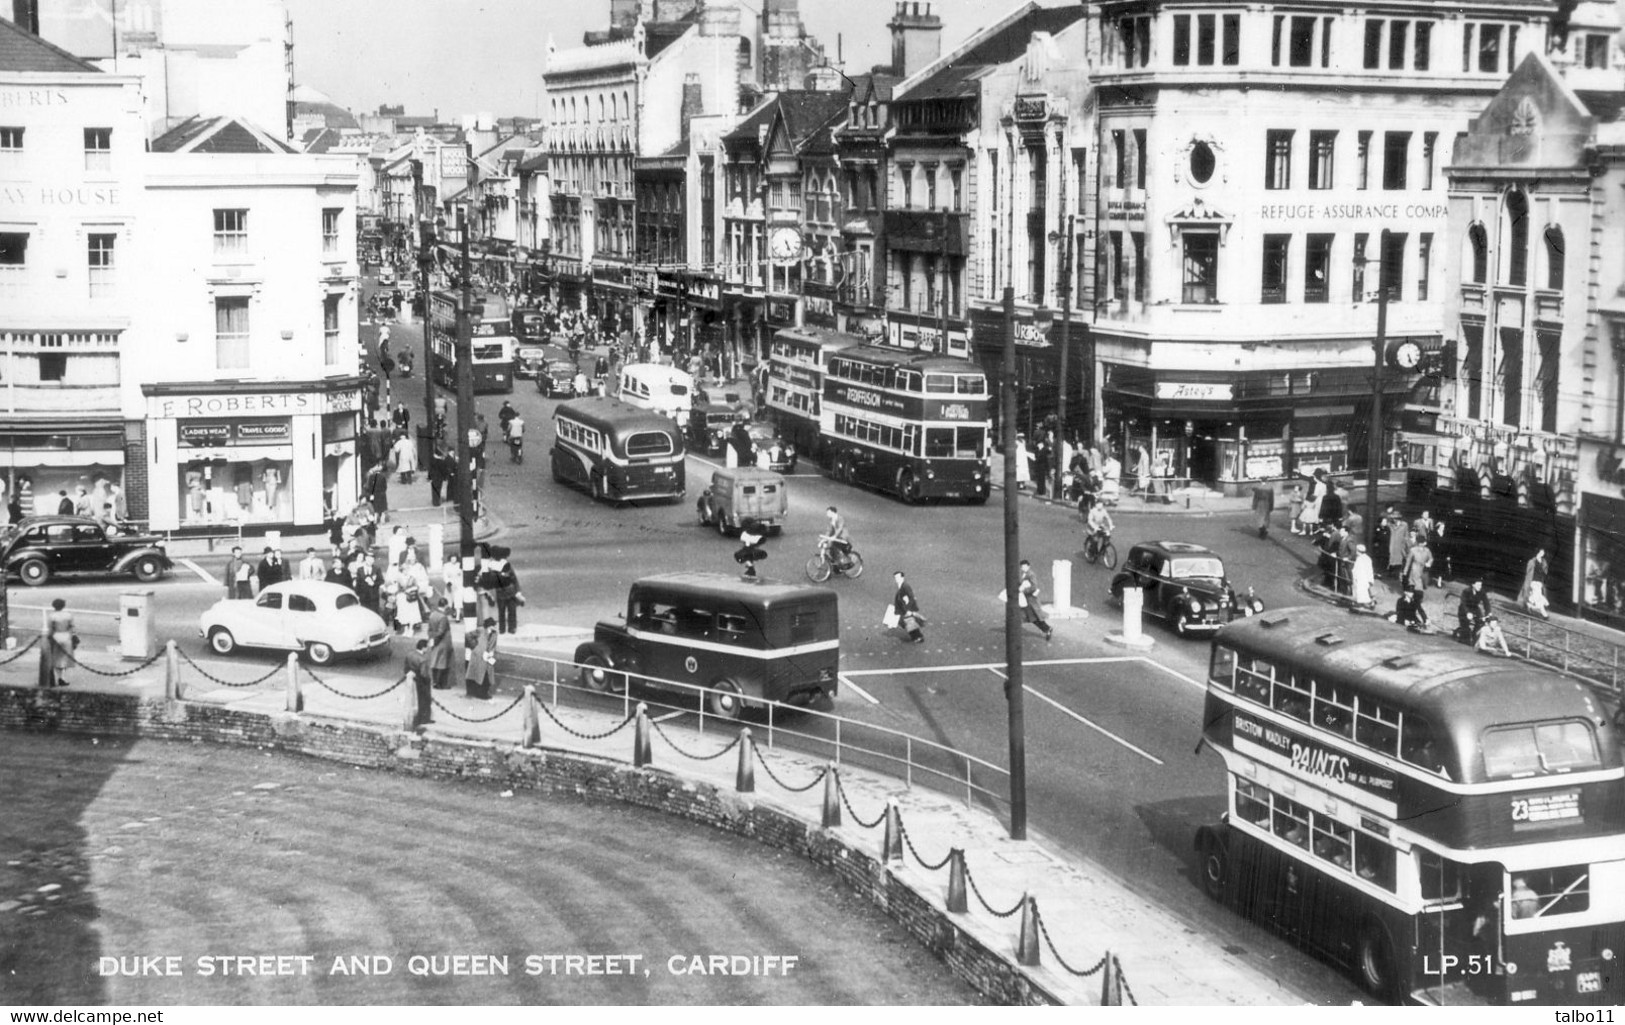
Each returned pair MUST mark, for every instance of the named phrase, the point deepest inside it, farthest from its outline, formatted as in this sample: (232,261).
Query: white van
(658,387)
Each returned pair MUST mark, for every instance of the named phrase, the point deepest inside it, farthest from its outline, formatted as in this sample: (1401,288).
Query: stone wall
(992,972)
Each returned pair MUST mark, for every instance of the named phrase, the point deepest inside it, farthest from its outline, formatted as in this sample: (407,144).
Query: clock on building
(784,244)
(1405,354)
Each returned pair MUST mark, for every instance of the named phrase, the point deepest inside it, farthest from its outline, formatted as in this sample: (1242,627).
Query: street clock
(784,245)
(1405,354)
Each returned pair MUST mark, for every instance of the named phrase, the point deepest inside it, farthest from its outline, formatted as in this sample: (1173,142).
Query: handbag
(889,618)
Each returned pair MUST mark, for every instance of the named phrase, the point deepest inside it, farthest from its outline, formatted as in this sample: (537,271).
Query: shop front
(277,454)
(45,462)
(1600,552)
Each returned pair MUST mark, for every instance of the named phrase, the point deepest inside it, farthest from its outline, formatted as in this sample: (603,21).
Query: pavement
(1085,911)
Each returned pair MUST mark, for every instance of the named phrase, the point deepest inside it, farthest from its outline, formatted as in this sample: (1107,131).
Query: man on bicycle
(840,542)
(1100,525)
(505,416)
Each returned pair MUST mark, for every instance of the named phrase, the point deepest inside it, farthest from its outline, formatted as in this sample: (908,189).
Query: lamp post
(1379,355)
(427,242)
(1013,692)
(1064,286)
(466,472)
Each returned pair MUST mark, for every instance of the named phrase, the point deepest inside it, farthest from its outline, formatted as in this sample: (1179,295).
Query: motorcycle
(404,363)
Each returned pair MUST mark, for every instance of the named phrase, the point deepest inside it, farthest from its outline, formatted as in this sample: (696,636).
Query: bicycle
(1097,547)
(821,567)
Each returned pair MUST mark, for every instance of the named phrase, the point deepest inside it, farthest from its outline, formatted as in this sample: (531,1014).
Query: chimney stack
(693,100)
(916,37)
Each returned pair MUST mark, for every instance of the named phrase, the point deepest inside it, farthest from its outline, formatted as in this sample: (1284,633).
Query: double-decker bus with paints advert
(908,422)
(1448,825)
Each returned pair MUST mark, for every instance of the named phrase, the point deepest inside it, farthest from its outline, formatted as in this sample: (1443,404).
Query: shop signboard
(251,432)
(1178,390)
(206,434)
(216,433)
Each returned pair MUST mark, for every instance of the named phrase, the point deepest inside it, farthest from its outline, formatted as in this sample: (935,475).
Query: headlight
(930,474)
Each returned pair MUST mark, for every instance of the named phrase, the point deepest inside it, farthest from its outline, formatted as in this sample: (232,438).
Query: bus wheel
(1215,867)
(908,486)
(1375,960)
(724,700)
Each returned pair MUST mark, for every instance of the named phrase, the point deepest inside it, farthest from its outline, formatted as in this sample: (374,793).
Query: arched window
(1517,238)
(614,108)
(1554,257)
(600,107)
(626,105)
(1479,240)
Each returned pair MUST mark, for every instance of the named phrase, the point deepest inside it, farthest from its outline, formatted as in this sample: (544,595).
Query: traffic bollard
(1027,945)
(172,672)
(532,730)
(409,704)
(891,848)
(641,755)
(296,700)
(832,796)
(957,904)
(745,778)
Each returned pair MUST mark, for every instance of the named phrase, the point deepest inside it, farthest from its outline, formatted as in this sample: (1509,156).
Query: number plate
(1588,982)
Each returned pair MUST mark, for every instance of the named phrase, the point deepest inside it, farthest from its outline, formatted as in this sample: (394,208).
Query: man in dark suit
(439,660)
(272,570)
(418,669)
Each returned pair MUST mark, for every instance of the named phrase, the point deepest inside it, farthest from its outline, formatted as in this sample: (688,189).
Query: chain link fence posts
(296,700)
(489,718)
(409,708)
(891,843)
(120,674)
(995,912)
(1043,930)
(745,774)
(531,731)
(172,672)
(908,842)
(832,797)
(1027,952)
(641,755)
(957,902)
(597,736)
(399,681)
(1122,982)
(20,651)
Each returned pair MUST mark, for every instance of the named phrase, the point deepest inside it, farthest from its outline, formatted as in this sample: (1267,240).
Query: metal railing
(823,735)
(87,622)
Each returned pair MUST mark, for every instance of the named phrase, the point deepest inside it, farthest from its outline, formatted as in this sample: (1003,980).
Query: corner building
(1247,161)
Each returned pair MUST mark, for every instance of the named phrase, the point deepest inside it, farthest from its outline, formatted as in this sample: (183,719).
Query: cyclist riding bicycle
(1100,523)
(505,416)
(840,542)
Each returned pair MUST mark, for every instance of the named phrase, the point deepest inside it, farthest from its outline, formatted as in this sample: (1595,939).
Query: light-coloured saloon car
(323,621)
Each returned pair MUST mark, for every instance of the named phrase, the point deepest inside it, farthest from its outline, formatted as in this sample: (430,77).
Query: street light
(1379,355)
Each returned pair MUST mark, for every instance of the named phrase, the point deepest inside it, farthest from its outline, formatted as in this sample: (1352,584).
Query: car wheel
(148,568)
(724,700)
(596,674)
(1215,868)
(34,572)
(319,654)
(221,642)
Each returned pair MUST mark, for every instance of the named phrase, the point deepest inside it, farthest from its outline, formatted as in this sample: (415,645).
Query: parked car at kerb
(41,547)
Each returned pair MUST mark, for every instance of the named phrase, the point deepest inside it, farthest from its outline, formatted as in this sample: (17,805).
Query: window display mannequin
(272,478)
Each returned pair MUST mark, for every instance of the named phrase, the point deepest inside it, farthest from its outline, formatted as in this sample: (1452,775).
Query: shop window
(231,333)
(1201,266)
(1276,249)
(1317,268)
(1278,159)
(98,149)
(241,488)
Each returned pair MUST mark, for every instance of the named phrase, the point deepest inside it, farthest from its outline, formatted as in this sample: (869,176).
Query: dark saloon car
(41,547)
(556,378)
(1183,584)
(767,441)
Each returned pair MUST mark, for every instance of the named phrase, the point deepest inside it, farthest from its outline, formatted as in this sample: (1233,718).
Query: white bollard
(1133,610)
(729,456)
(437,545)
(1061,592)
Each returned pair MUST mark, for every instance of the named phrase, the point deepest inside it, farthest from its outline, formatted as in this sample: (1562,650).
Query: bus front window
(1538,748)
(939,442)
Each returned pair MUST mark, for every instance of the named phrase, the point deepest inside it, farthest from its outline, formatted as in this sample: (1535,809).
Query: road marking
(1198,684)
(208,578)
(846,679)
(965,667)
(1108,734)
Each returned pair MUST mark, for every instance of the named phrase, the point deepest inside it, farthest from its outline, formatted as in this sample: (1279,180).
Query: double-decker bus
(797,362)
(908,422)
(1449,825)
(617,452)
(493,352)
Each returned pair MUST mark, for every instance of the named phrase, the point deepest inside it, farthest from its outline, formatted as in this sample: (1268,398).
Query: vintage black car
(41,547)
(1184,584)
(556,378)
(710,427)
(780,455)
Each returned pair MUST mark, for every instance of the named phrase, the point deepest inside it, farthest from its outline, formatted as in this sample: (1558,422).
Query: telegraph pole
(942,308)
(466,474)
(1065,285)
(425,261)
(1375,441)
(1012,578)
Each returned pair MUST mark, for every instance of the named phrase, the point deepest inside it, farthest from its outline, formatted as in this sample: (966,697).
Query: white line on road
(208,578)
(846,678)
(993,665)
(1108,734)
